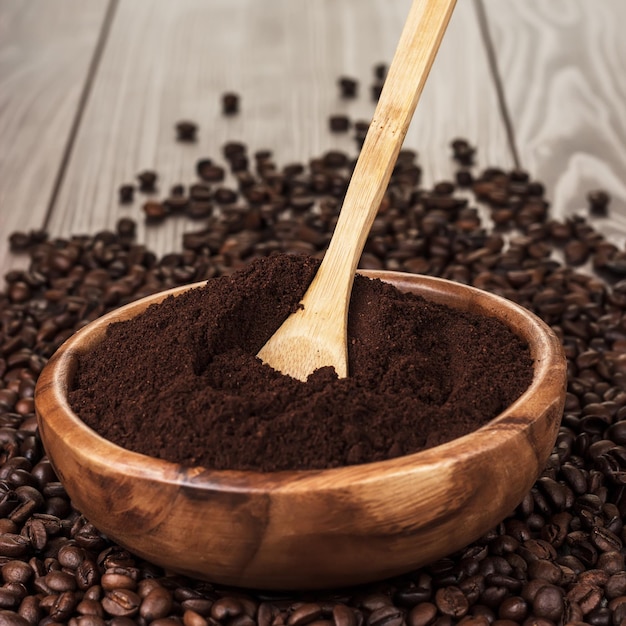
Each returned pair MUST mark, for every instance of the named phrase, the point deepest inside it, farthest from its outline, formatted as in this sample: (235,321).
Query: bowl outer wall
(310,529)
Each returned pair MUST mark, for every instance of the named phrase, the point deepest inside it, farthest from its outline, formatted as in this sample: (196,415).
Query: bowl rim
(549,377)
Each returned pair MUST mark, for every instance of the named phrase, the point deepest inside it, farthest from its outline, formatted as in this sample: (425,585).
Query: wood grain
(45,52)
(563,68)
(167,61)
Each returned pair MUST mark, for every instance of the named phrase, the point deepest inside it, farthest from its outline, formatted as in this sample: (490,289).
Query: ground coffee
(182,382)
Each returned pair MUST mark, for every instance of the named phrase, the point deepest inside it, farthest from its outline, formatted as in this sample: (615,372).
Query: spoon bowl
(309,529)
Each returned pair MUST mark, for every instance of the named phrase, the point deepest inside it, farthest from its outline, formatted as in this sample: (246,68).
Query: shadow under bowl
(310,529)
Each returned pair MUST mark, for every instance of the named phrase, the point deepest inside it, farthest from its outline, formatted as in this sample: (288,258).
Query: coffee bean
(598,202)
(545,570)
(339,123)
(513,608)
(191,618)
(451,601)
(226,608)
(155,211)
(121,603)
(12,545)
(586,596)
(422,614)
(386,616)
(16,571)
(147,181)
(376,90)
(10,618)
(186,130)
(348,87)
(156,604)
(548,602)
(63,606)
(230,103)
(463,152)
(126,193)
(342,616)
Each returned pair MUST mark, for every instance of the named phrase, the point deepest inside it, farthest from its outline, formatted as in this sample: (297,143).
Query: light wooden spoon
(316,334)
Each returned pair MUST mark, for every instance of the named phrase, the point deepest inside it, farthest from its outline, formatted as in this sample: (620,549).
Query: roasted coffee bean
(230,103)
(147,181)
(513,608)
(452,602)
(348,87)
(29,609)
(186,130)
(63,606)
(87,574)
(386,616)
(342,615)
(156,604)
(305,614)
(223,195)
(422,614)
(126,193)
(12,545)
(110,581)
(198,605)
(598,202)
(121,603)
(191,618)
(16,571)
(339,123)
(376,90)
(586,596)
(545,570)
(11,618)
(604,540)
(548,603)
(155,211)
(463,152)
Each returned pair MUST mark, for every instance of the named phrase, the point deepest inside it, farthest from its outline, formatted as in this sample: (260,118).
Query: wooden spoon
(316,334)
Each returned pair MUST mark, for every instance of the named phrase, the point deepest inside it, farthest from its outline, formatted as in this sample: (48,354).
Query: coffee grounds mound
(181,382)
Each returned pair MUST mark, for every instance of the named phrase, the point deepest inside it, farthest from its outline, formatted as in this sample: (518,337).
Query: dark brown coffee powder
(182,382)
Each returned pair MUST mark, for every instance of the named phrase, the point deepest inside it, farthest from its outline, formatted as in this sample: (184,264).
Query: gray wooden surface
(90,93)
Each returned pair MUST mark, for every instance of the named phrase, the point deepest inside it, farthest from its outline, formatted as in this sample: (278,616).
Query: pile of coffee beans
(559,558)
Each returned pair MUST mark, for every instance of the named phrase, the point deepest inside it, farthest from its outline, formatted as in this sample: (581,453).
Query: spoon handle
(414,56)
(316,335)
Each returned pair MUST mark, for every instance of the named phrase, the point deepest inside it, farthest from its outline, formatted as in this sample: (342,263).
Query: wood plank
(45,51)
(167,61)
(563,68)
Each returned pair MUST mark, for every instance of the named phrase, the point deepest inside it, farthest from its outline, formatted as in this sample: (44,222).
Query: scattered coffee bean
(376,90)
(463,152)
(339,123)
(186,131)
(348,87)
(126,193)
(155,211)
(230,103)
(147,181)
(209,172)
(598,202)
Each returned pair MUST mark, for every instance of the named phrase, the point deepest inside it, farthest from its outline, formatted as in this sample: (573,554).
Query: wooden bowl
(310,529)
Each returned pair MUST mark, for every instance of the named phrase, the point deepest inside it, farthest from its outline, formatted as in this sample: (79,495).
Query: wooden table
(90,93)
